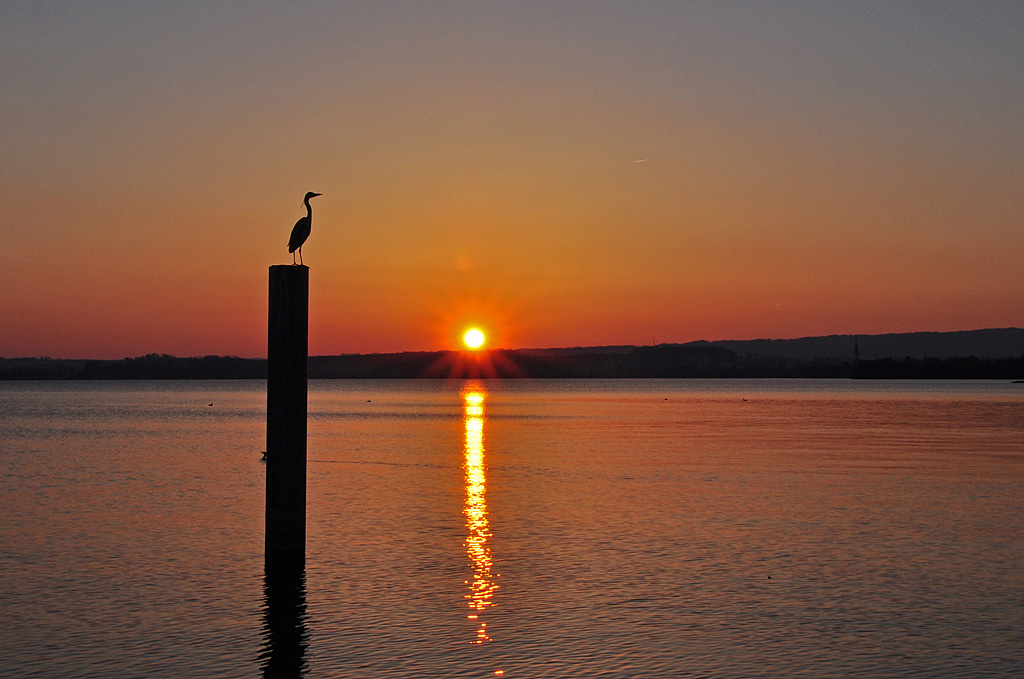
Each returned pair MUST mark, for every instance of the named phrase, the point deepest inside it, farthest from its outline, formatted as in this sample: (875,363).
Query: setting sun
(474,338)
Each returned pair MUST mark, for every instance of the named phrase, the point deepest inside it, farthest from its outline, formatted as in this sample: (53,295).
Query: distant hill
(976,354)
(579,351)
(991,344)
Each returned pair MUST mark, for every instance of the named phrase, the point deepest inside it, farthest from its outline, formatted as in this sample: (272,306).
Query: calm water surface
(653,528)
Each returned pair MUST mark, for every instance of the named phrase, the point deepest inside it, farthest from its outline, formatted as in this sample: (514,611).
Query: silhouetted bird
(300,232)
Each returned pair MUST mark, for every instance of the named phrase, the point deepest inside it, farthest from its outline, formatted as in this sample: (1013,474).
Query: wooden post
(287,353)
(285,640)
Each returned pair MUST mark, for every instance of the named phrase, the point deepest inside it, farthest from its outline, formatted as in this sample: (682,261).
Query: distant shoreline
(979,354)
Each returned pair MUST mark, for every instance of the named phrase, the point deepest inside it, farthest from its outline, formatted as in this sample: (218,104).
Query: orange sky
(807,169)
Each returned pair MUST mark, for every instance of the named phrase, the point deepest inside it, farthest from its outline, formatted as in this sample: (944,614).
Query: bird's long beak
(317,194)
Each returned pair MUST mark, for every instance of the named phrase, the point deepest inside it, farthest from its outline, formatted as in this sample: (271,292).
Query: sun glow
(474,338)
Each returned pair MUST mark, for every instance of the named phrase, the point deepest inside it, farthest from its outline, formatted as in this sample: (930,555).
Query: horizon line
(549,348)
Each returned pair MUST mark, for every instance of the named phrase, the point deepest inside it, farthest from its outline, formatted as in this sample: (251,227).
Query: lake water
(649,528)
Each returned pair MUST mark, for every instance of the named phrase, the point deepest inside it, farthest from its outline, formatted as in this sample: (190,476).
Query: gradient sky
(808,168)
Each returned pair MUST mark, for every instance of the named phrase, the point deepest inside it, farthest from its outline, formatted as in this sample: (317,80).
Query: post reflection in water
(483,585)
(285,639)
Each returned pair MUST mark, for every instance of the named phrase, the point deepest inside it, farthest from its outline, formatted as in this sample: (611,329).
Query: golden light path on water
(483,585)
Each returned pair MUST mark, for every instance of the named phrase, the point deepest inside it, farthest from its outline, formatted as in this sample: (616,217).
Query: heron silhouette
(300,232)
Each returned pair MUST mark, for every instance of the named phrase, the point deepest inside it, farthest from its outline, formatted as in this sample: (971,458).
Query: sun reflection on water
(483,585)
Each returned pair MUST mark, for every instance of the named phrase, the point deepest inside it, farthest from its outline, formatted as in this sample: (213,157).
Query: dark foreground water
(655,528)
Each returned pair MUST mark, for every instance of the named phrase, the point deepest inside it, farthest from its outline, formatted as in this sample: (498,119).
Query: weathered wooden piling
(285,640)
(287,354)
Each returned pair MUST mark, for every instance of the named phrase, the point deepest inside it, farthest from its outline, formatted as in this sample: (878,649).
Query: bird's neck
(309,210)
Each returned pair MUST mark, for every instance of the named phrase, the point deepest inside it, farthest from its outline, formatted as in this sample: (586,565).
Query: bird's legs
(300,256)
(293,258)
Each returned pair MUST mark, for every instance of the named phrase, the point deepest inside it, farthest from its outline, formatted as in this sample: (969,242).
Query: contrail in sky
(642,160)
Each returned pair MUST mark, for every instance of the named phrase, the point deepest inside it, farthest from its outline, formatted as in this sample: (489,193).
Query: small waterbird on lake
(300,232)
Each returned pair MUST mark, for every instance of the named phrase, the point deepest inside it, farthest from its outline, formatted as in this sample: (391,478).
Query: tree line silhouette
(679,361)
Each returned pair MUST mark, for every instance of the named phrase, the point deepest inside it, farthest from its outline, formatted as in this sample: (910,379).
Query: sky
(558,174)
